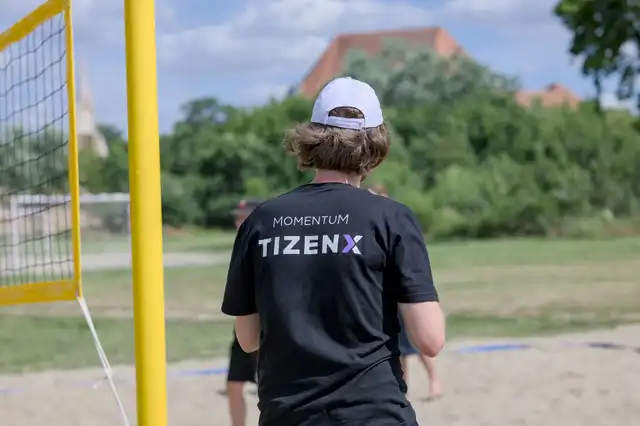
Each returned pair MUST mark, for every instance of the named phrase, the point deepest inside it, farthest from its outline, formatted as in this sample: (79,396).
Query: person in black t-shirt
(242,365)
(317,276)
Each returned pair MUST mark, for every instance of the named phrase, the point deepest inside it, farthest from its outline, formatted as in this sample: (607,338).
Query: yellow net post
(73,173)
(146,214)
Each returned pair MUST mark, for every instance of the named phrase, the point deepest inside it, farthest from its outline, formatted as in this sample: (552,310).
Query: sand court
(557,381)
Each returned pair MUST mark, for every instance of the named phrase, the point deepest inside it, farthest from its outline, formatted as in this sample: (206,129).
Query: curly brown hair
(318,146)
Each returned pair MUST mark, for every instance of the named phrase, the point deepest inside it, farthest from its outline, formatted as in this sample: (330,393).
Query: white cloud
(280,34)
(523,22)
(83,9)
(19,6)
(484,7)
(508,13)
(95,21)
(528,40)
(102,21)
(269,42)
(630,49)
(610,101)
(258,93)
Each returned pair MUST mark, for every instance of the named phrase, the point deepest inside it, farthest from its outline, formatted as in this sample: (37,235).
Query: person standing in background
(406,347)
(242,366)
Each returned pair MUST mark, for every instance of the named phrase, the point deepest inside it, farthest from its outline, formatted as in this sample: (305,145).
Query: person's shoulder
(269,207)
(270,203)
(398,216)
(388,204)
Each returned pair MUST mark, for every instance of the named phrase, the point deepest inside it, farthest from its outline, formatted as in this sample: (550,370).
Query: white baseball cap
(348,92)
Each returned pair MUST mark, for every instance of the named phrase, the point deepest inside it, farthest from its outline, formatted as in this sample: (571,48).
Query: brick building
(331,62)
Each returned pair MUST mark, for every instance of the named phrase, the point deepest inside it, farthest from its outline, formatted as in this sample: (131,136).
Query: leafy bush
(466,157)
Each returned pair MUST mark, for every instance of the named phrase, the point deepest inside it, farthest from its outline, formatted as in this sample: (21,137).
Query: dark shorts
(327,421)
(404,344)
(346,416)
(242,366)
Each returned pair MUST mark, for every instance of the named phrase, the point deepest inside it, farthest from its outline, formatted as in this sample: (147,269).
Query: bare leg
(435,386)
(237,405)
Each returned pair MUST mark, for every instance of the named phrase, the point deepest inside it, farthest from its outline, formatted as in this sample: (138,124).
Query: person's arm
(425,325)
(239,294)
(248,332)
(416,294)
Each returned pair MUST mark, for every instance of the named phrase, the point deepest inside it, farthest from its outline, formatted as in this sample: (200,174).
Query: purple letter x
(352,244)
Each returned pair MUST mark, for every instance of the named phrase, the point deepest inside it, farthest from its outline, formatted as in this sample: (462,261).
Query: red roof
(554,95)
(331,62)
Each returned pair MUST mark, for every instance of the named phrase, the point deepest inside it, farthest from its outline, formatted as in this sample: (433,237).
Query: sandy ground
(559,381)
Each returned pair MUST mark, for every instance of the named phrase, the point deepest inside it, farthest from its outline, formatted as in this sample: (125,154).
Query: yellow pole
(146,215)
(74,180)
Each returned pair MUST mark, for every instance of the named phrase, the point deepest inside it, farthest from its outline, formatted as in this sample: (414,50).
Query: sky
(246,51)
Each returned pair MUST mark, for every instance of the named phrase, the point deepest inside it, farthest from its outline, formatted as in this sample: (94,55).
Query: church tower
(89,136)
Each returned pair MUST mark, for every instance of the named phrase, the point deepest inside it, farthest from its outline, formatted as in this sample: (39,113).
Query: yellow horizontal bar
(42,292)
(29,23)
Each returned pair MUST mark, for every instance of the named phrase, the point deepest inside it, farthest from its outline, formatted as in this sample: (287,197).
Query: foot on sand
(435,391)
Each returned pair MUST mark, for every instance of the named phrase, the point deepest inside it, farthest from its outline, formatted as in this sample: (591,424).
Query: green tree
(407,75)
(421,89)
(606,38)
(465,156)
(109,174)
(33,162)
(223,154)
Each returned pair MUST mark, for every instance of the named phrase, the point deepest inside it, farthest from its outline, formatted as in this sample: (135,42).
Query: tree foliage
(466,157)
(409,75)
(110,174)
(33,161)
(606,38)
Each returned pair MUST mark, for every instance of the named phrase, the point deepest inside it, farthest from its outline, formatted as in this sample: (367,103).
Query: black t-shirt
(325,267)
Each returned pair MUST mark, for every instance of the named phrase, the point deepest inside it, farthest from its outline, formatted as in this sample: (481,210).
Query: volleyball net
(39,183)
(39,225)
